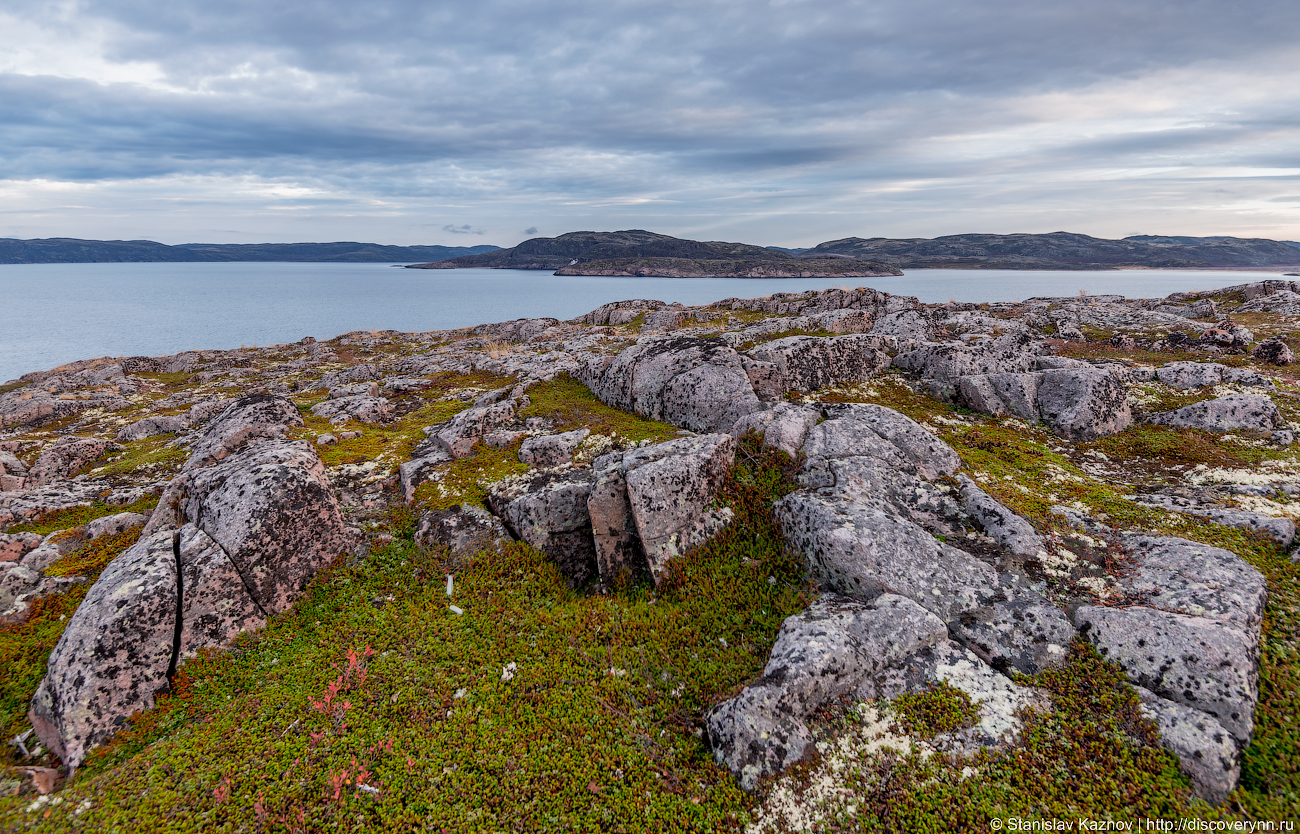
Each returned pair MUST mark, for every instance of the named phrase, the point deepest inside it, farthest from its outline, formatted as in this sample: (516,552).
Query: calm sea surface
(56,313)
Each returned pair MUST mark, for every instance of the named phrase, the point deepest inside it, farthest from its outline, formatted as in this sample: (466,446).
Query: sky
(781,123)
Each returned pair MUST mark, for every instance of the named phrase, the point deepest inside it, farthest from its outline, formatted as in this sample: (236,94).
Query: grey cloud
(676,104)
(461,230)
(530,231)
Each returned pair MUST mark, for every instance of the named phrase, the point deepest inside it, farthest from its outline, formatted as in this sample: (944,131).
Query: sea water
(56,313)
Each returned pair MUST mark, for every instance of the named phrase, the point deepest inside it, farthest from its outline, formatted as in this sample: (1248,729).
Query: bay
(56,313)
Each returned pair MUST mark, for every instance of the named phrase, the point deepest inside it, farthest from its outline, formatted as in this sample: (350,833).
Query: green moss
(154,456)
(12,386)
(466,480)
(77,516)
(940,708)
(372,680)
(571,405)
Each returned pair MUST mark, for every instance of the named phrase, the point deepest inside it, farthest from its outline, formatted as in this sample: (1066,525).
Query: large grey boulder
(872,481)
(153,426)
(463,529)
(548,510)
(247,420)
(68,456)
(905,324)
(1230,413)
(950,361)
(808,363)
(1002,394)
(270,508)
(670,488)
(1206,751)
(864,550)
(122,645)
(1195,661)
(826,652)
(1083,403)
(697,384)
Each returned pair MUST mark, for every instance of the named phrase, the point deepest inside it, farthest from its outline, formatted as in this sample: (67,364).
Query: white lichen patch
(845,766)
(1268,472)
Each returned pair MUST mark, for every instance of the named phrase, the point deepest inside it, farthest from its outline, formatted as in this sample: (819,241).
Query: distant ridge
(638,252)
(72,250)
(1063,250)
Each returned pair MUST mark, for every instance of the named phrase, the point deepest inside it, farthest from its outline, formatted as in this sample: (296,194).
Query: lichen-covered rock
(367,409)
(14,546)
(697,384)
(784,426)
(551,449)
(1002,394)
(111,525)
(951,361)
(1196,579)
(619,553)
(825,652)
(153,426)
(463,529)
(1274,352)
(808,363)
(548,509)
(1206,751)
(114,657)
(863,550)
(1230,413)
(472,425)
(1279,528)
(249,419)
(271,509)
(999,523)
(419,469)
(68,456)
(670,488)
(905,324)
(853,429)
(1023,633)
(1199,662)
(124,642)
(1083,403)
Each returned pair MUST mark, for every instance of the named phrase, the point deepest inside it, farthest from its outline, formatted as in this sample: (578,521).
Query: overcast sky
(787,123)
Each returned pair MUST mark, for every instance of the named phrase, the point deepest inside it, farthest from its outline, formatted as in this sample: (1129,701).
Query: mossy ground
(77,516)
(372,681)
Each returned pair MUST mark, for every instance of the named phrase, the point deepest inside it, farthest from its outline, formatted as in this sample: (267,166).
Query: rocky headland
(831,560)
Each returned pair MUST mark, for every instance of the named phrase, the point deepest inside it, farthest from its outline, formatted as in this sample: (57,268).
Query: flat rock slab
(821,654)
(1230,413)
(950,361)
(367,409)
(551,449)
(862,550)
(1192,578)
(67,457)
(1207,752)
(1198,662)
(1278,528)
(854,429)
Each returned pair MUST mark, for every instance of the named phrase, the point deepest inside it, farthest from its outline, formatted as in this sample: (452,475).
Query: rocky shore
(937,541)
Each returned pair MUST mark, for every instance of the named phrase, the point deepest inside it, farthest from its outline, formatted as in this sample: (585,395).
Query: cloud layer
(785,122)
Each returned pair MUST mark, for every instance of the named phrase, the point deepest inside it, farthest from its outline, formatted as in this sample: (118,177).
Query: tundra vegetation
(415,680)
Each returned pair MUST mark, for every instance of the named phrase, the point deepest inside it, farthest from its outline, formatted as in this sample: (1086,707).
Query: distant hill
(72,250)
(555,252)
(1062,250)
